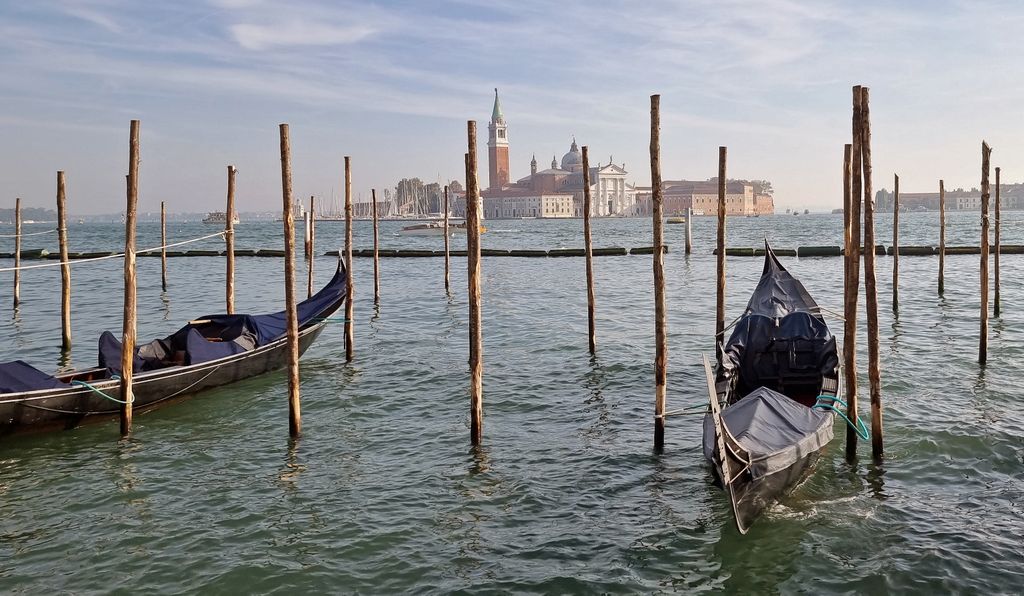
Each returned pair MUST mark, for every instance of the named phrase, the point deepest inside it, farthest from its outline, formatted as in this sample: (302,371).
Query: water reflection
(595,406)
(165,301)
(64,361)
(876,481)
(289,474)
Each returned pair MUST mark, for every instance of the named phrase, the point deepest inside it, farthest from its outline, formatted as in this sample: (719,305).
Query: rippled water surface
(384,494)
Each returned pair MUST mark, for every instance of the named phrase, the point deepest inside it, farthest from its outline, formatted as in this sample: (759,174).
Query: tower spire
(496,115)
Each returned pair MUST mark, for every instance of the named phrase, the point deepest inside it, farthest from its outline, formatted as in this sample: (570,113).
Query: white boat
(219,217)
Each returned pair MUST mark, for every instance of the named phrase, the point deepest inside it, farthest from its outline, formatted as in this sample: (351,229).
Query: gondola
(209,351)
(773,399)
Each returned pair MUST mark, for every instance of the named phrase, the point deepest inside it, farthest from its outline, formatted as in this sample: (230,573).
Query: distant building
(1011,196)
(554,192)
(702,197)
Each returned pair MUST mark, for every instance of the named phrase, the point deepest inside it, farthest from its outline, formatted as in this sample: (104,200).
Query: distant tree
(763,187)
(455,186)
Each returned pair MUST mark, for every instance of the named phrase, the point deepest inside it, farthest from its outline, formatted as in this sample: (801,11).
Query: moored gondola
(209,351)
(774,394)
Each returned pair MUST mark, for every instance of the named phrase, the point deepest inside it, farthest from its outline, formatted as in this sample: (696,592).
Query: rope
(860,428)
(113,256)
(97,391)
(730,325)
(24,234)
(701,409)
(831,312)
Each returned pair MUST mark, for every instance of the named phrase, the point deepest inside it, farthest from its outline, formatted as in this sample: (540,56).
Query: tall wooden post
(312,246)
(17,252)
(229,240)
(689,230)
(128,326)
(720,285)
(589,250)
(476,365)
(291,316)
(446,242)
(163,246)
(660,317)
(306,235)
(376,250)
(942,236)
(65,268)
(986,154)
(349,289)
(870,288)
(849,291)
(896,245)
(852,278)
(995,304)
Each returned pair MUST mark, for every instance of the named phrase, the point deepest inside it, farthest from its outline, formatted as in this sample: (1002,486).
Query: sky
(393,83)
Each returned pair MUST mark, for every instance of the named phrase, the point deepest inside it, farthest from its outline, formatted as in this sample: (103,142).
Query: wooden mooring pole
(476,397)
(291,317)
(986,154)
(65,268)
(689,230)
(852,189)
(163,246)
(128,326)
(312,246)
(350,347)
(447,265)
(17,252)
(942,236)
(306,235)
(896,245)
(589,251)
(870,287)
(376,250)
(995,264)
(229,240)
(660,316)
(720,284)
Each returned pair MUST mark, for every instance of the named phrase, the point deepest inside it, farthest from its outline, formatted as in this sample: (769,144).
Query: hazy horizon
(393,84)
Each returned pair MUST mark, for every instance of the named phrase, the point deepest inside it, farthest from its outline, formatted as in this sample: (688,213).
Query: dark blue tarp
(18,376)
(215,336)
(781,342)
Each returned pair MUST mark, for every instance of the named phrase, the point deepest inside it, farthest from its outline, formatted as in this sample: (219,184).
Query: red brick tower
(497,148)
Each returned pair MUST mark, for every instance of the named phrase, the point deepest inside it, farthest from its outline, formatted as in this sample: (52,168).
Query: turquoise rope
(860,428)
(90,387)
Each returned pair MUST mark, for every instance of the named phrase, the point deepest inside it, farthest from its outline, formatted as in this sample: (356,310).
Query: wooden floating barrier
(266,252)
(819,251)
(493,252)
(913,251)
(646,250)
(567,252)
(963,250)
(527,253)
(35,253)
(204,253)
(779,252)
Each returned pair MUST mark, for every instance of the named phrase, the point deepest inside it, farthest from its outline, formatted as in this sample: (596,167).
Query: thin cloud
(297,33)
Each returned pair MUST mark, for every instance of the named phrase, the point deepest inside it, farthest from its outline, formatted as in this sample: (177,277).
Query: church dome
(573,160)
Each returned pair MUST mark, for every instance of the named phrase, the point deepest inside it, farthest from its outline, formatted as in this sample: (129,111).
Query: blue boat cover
(215,336)
(18,376)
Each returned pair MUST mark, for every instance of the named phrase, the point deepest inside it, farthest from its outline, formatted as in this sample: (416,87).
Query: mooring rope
(23,234)
(860,428)
(97,391)
(113,256)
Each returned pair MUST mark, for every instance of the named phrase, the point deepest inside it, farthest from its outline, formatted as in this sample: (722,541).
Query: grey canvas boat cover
(776,431)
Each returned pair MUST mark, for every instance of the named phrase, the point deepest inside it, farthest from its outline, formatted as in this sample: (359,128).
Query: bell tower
(497,147)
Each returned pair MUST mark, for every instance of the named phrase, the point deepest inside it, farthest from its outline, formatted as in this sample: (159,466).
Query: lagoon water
(383,494)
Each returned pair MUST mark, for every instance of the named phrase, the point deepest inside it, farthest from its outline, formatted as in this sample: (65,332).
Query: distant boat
(676,220)
(219,217)
(435,228)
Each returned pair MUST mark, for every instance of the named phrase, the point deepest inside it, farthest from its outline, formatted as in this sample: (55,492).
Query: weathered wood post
(689,230)
(660,317)
(350,347)
(986,154)
(163,246)
(306,235)
(870,288)
(720,285)
(446,242)
(852,277)
(589,250)
(942,236)
(476,397)
(376,250)
(229,240)
(128,326)
(65,268)
(291,316)
(896,245)
(995,304)
(312,246)
(17,252)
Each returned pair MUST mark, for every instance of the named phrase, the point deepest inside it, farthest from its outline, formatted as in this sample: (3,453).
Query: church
(554,192)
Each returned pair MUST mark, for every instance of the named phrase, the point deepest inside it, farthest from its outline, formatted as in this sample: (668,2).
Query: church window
(501,134)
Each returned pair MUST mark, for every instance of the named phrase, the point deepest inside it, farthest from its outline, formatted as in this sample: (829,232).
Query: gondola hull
(69,407)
